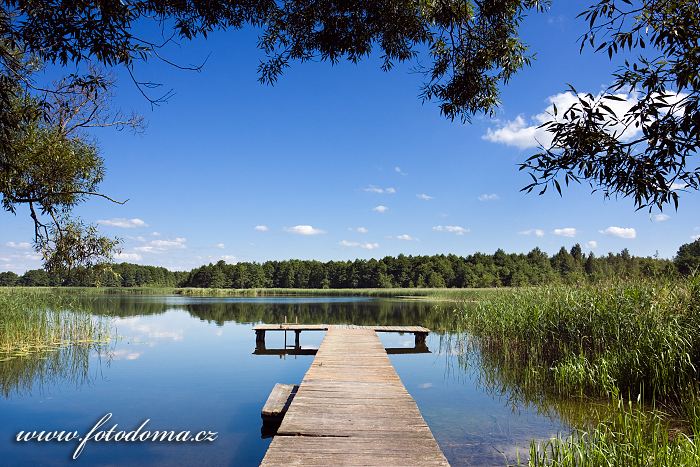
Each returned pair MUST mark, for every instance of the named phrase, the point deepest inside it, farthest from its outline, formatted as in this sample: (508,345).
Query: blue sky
(332,163)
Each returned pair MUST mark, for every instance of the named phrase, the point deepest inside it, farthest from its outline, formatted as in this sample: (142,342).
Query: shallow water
(188,364)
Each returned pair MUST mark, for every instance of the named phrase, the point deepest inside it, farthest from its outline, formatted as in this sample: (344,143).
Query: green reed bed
(634,437)
(616,341)
(32,322)
(599,339)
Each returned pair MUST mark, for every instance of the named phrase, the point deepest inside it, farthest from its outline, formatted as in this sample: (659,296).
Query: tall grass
(619,341)
(32,322)
(611,340)
(633,438)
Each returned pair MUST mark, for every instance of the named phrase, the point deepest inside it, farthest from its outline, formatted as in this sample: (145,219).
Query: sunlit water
(188,364)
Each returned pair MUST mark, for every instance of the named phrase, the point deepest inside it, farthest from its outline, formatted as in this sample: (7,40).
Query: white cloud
(660,217)
(155,234)
(380,209)
(123,223)
(621,232)
(678,186)
(455,229)
(592,244)
(516,133)
(304,230)
(398,170)
(229,258)
(488,197)
(362,230)
(405,237)
(536,232)
(261,228)
(19,245)
(220,245)
(366,246)
(373,189)
(565,232)
(424,197)
(380,190)
(128,256)
(178,242)
(157,246)
(695,237)
(525,133)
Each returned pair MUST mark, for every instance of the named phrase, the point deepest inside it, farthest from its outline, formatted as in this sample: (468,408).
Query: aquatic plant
(633,343)
(606,339)
(32,322)
(634,437)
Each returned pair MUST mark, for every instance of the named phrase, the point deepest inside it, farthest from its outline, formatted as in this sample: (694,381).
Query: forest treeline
(477,270)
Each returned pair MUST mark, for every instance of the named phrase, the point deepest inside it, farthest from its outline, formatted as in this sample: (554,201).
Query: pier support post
(259,339)
(297,333)
(420,339)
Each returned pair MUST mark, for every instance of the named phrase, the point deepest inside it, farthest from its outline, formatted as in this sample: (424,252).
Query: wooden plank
(279,400)
(352,409)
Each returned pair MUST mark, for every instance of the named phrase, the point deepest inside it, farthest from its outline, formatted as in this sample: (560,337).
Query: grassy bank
(618,341)
(33,321)
(431,293)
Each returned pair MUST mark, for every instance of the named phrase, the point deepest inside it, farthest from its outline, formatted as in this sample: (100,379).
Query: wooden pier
(352,409)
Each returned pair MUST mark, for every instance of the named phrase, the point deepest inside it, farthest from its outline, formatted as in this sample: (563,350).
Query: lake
(188,364)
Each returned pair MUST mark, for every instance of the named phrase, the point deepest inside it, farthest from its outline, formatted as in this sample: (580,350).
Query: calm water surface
(188,364)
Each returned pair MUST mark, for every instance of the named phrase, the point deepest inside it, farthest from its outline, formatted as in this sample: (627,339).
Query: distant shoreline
(456,294)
